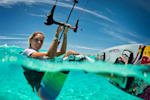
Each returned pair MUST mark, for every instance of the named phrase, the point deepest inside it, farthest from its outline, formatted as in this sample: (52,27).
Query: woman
(35,43)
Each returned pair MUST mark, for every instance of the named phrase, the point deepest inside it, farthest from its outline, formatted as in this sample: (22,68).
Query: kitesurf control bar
(75,29)
(51,21)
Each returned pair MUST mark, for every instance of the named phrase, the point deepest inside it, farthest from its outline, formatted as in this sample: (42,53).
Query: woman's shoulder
(28,51)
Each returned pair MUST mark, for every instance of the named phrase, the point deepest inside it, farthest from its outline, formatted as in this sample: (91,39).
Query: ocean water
(78,85)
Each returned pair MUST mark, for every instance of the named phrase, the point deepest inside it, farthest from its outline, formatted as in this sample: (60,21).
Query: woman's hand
(59,29)
(68,25)
(66,28)
(124,60)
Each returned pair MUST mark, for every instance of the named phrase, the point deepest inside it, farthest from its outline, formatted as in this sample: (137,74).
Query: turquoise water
(78,85)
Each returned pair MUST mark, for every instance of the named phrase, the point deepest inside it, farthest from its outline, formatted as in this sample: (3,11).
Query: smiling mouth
(39,45)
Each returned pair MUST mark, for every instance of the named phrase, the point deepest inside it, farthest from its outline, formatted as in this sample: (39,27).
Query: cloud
(126,35)
(109,11)
(117,31)
(84,47)
(16,34)
(21,42)
(132,34)
(117,35)
(12,2)
(11,38)
(29,2)
(38,15)
(19,34)
(96,14)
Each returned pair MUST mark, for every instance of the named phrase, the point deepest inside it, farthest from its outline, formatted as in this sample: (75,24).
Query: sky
(103,23)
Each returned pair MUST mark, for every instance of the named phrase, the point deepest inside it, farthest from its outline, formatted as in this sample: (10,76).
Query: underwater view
(82,82)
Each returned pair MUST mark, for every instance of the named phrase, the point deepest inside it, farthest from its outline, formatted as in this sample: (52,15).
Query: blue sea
(78,84)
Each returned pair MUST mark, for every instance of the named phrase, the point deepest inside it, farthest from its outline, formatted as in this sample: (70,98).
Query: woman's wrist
(55,38)
(59,29)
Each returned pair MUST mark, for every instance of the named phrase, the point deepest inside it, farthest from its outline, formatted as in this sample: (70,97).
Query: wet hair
(32,36)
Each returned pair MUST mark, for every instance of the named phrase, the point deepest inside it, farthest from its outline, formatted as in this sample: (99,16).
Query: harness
(33,77)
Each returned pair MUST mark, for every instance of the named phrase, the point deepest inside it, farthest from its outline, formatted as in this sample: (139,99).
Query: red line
(136,55)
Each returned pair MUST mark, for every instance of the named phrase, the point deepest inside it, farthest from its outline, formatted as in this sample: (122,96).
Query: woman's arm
(53,48)
(37,54)
(64,44)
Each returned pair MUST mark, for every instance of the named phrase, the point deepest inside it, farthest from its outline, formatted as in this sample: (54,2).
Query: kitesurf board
(53,83)
(141,53)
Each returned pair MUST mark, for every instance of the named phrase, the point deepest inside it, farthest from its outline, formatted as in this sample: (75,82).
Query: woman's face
(37,41)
